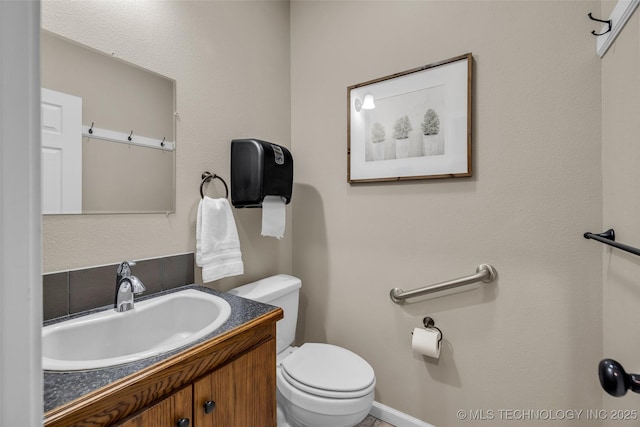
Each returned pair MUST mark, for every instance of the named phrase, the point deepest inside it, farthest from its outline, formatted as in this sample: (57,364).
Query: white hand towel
(217,242)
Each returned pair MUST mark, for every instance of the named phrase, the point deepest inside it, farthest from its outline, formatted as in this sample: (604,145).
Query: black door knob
(614,380)
(209,406)
(183,422)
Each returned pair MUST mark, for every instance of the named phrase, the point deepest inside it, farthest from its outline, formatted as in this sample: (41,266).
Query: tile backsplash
(73,291)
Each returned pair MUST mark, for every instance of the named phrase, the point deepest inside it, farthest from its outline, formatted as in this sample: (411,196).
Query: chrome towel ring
(208,176)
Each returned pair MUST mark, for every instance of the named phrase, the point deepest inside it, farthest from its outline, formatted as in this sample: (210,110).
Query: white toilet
(319,385)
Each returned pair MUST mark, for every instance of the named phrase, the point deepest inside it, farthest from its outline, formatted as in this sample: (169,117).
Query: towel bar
(609,238)
(484,273)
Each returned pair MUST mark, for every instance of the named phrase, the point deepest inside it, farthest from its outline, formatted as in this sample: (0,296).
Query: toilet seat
(329,371)
(295,401)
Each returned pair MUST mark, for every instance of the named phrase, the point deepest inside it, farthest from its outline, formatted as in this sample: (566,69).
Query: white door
(61,152)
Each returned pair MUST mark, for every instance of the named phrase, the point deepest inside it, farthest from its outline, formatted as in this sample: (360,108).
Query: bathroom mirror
(117,124)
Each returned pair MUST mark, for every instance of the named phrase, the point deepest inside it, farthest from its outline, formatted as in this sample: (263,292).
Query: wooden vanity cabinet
(168,412)
(234,374)
(243,392)
(238,394)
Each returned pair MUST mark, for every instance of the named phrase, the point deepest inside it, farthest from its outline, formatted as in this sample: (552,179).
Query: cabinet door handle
(209,406)
(183,422)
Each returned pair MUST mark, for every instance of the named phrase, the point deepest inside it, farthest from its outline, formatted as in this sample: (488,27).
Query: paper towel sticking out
(426,341)
(273,216)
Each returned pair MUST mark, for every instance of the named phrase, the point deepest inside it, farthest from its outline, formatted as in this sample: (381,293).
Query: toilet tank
(282,291)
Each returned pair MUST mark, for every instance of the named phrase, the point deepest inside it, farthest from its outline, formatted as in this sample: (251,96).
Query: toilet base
(293,416)
(281,419)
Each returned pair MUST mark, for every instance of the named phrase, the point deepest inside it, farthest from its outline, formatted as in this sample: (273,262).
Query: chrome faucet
(127,285)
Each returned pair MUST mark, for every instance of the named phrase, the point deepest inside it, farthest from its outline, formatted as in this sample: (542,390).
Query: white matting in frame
(420,127)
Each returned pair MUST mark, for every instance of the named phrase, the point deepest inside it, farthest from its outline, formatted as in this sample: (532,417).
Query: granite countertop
(61,387)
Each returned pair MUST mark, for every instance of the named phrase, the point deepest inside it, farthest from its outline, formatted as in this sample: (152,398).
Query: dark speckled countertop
(63,387)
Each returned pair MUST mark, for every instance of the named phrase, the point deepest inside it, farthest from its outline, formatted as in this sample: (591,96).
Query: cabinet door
(166,413)
(244,391)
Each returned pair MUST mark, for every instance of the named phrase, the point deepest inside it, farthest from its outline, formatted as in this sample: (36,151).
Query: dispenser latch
(278,154)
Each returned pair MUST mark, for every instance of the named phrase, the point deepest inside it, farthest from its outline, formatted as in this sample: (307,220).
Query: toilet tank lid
(268,289)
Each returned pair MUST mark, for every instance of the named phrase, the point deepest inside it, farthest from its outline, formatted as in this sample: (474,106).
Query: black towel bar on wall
(609,238)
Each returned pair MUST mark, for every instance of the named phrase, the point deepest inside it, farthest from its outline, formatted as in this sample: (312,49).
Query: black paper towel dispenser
(259,169)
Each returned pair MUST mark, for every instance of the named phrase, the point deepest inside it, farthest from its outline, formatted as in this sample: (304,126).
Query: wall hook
(91,128)
(162,142)
(608,22)
(130,135)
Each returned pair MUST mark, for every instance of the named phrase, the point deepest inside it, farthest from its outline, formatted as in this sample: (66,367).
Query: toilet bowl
(324,385)
(318,385)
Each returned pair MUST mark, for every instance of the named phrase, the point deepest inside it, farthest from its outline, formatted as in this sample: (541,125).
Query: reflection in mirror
(108,132)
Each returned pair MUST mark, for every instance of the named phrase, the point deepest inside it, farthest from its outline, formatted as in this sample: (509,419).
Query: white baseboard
(395,417)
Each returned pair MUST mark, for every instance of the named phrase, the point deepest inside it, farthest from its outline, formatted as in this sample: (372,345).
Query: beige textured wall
(533,339)
(230,61)
(621,182)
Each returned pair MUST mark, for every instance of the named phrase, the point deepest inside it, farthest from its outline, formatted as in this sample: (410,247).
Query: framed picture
(411,125)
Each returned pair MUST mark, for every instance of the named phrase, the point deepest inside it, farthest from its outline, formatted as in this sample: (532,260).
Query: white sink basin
(154,326)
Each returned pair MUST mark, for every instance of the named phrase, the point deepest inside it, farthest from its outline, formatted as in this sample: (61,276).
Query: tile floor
(371,421)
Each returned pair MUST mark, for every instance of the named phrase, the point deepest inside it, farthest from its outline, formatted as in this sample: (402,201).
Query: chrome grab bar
(484,273)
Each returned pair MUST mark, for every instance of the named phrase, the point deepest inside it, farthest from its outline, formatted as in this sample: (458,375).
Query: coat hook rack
(126,138)
(608,22)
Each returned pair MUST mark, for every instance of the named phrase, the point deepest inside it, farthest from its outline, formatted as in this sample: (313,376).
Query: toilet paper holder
(429,323)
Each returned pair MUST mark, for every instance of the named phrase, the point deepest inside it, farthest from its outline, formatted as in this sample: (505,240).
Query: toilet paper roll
(273,216)
(426,341)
